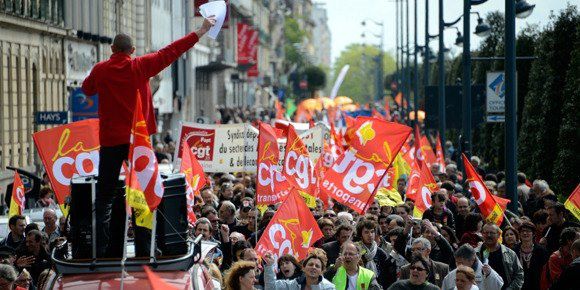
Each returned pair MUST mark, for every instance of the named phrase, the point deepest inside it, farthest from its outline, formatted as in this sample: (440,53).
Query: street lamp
(520,9)
(459,38)
(482,29)
(524,9)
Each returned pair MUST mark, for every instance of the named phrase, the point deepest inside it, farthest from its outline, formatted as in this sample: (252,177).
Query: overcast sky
(345,16)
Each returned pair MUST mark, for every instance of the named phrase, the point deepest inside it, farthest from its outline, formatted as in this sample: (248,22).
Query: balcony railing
(48,11)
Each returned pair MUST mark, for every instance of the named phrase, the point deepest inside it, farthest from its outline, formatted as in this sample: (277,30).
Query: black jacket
(531,273)
(332,250)
(569,277)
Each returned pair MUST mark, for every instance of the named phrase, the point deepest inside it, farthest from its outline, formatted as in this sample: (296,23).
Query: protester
(502,259)
(558,223)
(288,268)
(7,277)
(532,256)
(438,213)
(419,270)
(560,259)
(314,266)
(437,270)
(347,274)
(485,276)
(343,233)
(33,256)
(241,276)
(374,258)
(119,81)
(569,278)
(510,237)
(17,224)
(465,278)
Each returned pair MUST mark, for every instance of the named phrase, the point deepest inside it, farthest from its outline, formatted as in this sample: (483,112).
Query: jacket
(365,276)
(332,250)
(569,278)
(271,283)
(512,267)
(117,81)
(492,281)
(437,272)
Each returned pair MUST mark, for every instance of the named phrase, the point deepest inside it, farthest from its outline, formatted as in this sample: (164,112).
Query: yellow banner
(136,200)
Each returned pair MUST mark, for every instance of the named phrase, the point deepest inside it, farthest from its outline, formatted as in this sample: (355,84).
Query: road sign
(51,118)
(82,106)
(495,92)
(495,118)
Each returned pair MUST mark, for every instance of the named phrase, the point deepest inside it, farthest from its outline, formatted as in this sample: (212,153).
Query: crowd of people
(451,247)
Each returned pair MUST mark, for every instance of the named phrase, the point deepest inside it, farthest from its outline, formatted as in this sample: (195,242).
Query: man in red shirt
(119,81)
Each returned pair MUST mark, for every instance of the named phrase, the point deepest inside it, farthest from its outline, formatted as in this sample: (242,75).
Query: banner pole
(125,238)
(153,233)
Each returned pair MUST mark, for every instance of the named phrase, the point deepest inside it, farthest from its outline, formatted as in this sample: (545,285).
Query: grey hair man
(7,277)
(485,276)
(437,270)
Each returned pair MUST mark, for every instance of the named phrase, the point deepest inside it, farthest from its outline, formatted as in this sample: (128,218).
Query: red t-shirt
(117,80)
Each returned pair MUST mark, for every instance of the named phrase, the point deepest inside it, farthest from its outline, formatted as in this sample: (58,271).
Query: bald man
(119,81)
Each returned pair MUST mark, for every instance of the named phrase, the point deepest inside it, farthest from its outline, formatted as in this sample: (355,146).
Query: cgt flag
(144,185)
(194,178)
(440,155)
(298,167)
(292,230)
(355,175)
(492,207)
(421,186)
(272,187)
(573,202)
(17,201)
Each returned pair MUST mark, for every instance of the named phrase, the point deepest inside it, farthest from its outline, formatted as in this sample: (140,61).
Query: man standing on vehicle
(118,81)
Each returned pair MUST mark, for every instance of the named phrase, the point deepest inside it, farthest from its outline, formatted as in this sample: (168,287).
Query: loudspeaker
(81,218)
(172,222)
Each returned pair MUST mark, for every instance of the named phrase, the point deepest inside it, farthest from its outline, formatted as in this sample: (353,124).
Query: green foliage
(294,37)
(359,83)
(542,115)
(566,169)
(316,78)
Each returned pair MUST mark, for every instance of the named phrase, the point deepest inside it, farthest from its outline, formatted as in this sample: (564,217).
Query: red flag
(492,207)
(573,202)
(417,150)
(298,167)
(156,282)
(421,186)
(355,175)
(271,186)
(427,151)
(144,185)
(440,155)
(292,230)
(18,200)
(194,178)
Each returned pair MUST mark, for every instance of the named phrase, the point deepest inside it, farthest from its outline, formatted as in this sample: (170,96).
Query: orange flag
(144,185)
(271,186)
(18,200)
(353,178)
(573,202)
(194,178)
(440,156)
(492,207)
(298,167)
(420,188)
(155,282)
(292,230)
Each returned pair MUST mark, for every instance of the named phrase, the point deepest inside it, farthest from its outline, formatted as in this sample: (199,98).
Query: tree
(566,170)
(316,78)
(359,83)
(542,115)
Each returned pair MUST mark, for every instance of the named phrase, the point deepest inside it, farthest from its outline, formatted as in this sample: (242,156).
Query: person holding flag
(118,81)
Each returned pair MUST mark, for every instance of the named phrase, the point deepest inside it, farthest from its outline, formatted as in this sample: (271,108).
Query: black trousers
(110,162)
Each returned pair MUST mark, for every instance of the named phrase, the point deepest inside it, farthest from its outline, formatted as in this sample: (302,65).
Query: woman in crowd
(465,278)
(418,279)
(241,276)
(532,256)
(511,237)
(314,266)
(288,268)
(449,234)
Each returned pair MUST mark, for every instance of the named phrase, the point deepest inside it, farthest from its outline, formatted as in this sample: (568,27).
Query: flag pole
(125,238)
(153,233)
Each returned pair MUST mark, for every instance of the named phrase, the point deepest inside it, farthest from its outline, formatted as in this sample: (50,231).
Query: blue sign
(82,106)
(51,118)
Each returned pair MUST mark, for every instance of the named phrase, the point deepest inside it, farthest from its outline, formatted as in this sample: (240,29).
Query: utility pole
(511,153)
(441,69)
(466,78)
(416,71)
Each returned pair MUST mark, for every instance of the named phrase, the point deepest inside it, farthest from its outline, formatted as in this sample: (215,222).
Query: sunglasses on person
(329,215)
(417,268)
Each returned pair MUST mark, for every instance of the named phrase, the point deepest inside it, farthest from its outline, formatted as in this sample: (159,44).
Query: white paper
(217,8)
